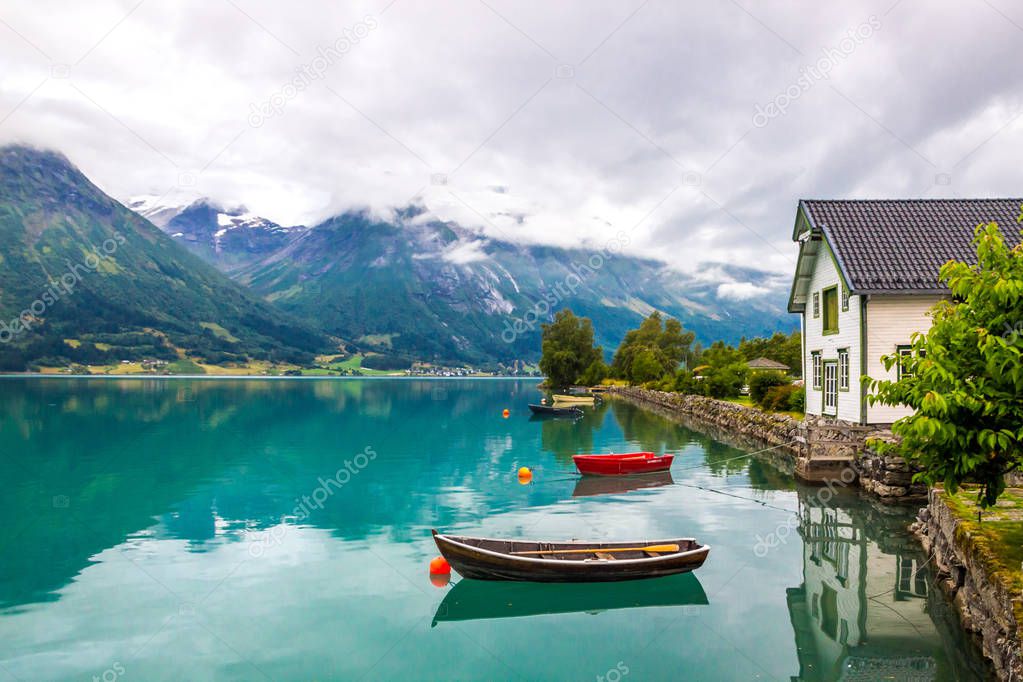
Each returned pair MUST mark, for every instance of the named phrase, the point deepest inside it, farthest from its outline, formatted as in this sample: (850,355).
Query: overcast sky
(692,127)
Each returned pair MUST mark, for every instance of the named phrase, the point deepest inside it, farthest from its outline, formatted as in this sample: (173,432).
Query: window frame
(816,370)
(825,330)
(904,350)
(844,370)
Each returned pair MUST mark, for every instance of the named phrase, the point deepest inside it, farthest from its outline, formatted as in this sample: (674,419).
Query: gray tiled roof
(899,245)
(766,363)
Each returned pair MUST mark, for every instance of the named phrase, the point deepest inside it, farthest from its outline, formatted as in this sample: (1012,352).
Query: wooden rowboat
(622,465)
(569,562)
(485,599)
(573,399)
(554,411)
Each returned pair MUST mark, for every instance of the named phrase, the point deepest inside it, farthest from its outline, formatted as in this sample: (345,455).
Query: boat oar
(609,550)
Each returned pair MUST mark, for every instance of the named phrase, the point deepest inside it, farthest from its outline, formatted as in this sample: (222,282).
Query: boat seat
(604,556)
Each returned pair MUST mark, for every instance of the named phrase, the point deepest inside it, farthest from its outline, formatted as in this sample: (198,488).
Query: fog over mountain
(693,127)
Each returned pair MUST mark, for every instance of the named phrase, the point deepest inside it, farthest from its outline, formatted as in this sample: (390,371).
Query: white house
(865,281)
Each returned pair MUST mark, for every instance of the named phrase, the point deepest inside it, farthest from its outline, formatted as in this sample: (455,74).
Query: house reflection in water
(863,598)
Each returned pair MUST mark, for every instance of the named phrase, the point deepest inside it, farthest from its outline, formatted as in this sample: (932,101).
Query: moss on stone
(996,541)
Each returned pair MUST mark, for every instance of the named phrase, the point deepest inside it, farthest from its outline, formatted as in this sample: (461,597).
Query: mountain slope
(432,290)
(228,237)
(82,278)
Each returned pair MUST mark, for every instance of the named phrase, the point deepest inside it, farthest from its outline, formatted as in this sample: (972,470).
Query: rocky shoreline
(987,610)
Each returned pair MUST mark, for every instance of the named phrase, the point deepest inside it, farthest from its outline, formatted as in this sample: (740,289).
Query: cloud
(536,123)
(461,253)
(741,291)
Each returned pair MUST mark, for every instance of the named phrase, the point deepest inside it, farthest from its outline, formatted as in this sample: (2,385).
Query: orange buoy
(525,475)
(506,413)
(440,566)
(440,579)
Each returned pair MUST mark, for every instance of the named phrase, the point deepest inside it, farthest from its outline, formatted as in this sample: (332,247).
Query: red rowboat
(622,465)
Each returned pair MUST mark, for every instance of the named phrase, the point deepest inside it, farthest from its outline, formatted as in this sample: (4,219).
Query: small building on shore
(767,365)
(866,279)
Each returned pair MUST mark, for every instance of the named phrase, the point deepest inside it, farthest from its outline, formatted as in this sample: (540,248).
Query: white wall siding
(826,275)
(891,321)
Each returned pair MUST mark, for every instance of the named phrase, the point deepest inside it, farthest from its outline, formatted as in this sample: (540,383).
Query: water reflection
(481,599)
(565,437)
(863,610)
(588,486)
(181,477)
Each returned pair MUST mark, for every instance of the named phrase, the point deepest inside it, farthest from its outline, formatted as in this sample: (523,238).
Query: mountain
(426,289)
(228,237)
(85,279)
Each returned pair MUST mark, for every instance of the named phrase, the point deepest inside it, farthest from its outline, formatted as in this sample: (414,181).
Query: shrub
(762,382)
(685,383)
(777,398)
(797,399)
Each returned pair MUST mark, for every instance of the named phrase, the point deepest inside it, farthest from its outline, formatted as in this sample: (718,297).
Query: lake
(229,529)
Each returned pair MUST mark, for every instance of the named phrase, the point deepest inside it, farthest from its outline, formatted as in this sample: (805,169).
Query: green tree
(646,367)
(567,348)
(594,374)
(964,377)
(725,371)
(663,344)
(784,348)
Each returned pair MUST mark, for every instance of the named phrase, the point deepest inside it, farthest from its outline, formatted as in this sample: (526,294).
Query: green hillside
(85,280)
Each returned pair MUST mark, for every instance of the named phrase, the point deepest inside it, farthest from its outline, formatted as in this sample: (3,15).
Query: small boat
(569,562)
(555,411)
(573,399)
(486,599)
(588,486)
(622,465)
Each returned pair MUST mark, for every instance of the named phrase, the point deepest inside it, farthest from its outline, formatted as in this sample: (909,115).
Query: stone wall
(986,607)
(817,449)
(765,429)
(889,477)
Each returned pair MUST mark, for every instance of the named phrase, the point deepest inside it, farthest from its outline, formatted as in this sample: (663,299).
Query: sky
(690,128)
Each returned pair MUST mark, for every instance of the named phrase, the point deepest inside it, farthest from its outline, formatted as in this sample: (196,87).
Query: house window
(816,305)
(831,310)
(843,369)
(845,298)
(905,353)
(816,360)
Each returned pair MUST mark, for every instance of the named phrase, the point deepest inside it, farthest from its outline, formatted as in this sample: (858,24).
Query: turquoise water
(180,529)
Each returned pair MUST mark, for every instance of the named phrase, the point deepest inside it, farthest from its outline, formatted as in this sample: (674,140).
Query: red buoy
(440,566)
